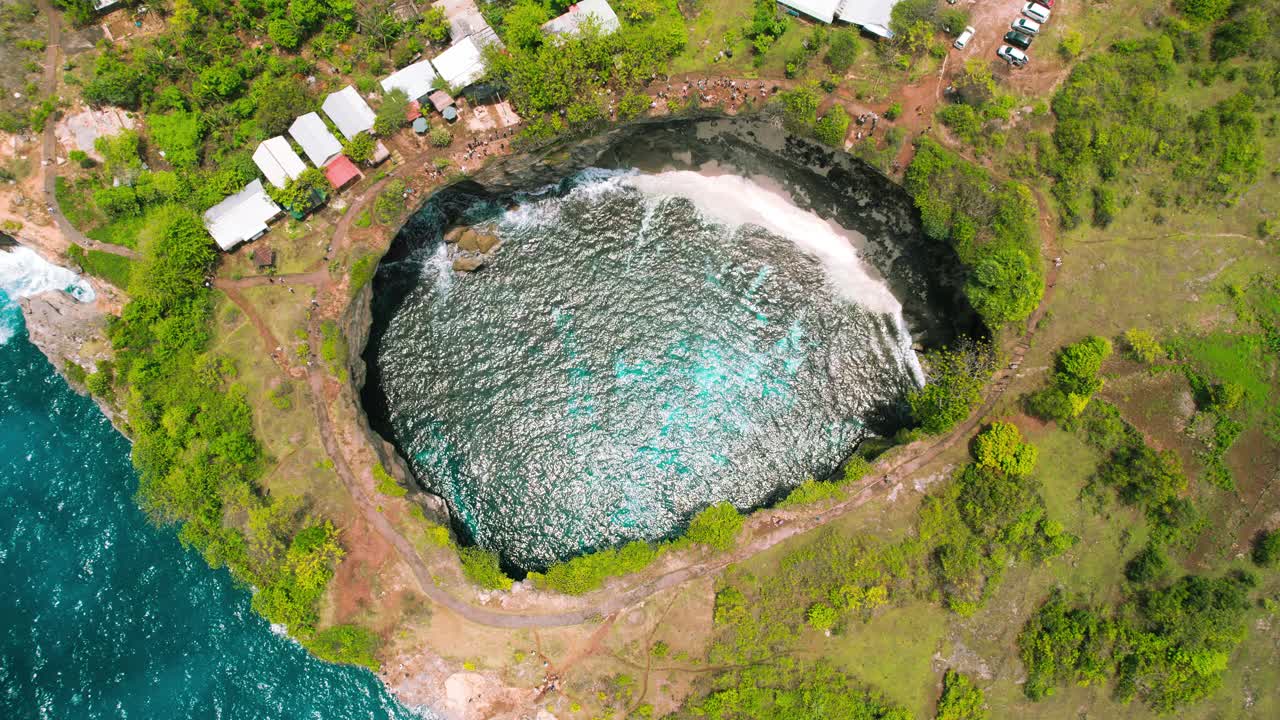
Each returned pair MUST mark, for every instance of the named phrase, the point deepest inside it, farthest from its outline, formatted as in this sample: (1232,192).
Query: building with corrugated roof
(349,112)
(241,217)
(317,142)
(277,161)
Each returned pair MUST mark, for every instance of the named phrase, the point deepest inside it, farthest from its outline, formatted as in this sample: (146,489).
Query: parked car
(1026,27)
(1017,39)
(965,37)
(1012,55)
(1036,12)
(1046,3)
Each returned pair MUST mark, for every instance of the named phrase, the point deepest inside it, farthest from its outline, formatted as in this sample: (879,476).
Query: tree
(766,26)
(1005,286)
(822,617)
(1001,447)
(1061,643)
(178,135)
(303,192)
(278,102)
(833,126)
(1143,345)
(961,699)
(285,33)
(1266,549)
(482,568)
(391,113)
(219,82)
(1149,566)
(956,377)
(522,25)
(1077,365)
(800,108)
(380,26)
(1206,11)
(842,51)
(716,526)
(359,148)
(176,257)
(434,25)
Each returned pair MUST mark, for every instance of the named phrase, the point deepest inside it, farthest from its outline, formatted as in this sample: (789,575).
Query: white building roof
(460,65)
(241,217)
(824,10)
(317,142)
(349,112)
(415,80)
(568,23)
(873,15)
(277,161)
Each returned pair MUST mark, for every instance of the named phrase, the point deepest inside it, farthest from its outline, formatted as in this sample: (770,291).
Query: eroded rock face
(66,330)
(474,241)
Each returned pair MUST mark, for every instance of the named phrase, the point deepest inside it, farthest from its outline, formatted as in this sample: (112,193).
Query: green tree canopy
(1001,447)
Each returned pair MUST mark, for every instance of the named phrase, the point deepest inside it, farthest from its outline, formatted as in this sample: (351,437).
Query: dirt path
(49,159)
(765,529)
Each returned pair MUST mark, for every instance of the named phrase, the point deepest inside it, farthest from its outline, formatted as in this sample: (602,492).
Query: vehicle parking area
(991,19)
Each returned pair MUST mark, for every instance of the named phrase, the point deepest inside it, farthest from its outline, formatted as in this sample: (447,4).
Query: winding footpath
(49,156)
(764,529)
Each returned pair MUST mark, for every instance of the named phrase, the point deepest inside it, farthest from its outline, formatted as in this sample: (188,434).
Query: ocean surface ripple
(641,347)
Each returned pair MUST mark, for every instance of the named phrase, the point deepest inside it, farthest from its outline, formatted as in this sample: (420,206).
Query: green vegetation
(360,148)
(1000,447)
(791,691)
(1266,549)
(333,349)
(991,226)
(115,269)
(1073,382)
(979,107)
(362,271)
(716,526)
(1143,346)
(482,568)
(1167,647)
(385,484)
(961,699)
(392,113)
(349,644)
(302,193)
(956,379)
(572,73)
(440,137)
(390,202)
(585,573)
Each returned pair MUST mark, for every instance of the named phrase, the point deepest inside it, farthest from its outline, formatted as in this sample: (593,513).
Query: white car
(965,37)
(1012,55)
(1038,13)
(1028,27)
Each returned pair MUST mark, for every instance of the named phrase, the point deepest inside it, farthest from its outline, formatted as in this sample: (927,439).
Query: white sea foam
(735,201)
(24,273)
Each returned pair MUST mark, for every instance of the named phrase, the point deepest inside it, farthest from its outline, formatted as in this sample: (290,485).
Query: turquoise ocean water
(103,615)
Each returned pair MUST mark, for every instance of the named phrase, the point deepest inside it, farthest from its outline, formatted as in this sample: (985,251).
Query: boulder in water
(468,263)
(454,234)
(472,241)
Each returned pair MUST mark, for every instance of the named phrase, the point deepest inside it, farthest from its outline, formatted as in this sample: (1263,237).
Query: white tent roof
(871,14)
(277,160)
(317,142)
(241,217)
(568,23)
(349,112)
(460,65)
(824,10)
(415,80)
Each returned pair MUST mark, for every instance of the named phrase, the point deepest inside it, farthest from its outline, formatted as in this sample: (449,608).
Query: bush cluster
(1074,380)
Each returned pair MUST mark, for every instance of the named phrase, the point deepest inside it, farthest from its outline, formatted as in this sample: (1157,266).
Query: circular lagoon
(640,344)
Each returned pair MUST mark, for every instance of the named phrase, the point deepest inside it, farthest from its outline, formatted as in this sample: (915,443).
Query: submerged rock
(454,233)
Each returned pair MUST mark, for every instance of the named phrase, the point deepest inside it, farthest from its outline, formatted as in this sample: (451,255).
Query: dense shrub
(585,573)
(956,378)
(1061,644)
(178,135)
(1149,566)
(1001,447)
(991,226)
(1266,549)
(961,699)
(716,526)
(842,50)
(482,568)
(1074,381)
(833,126)
(360,148)
(1143,346)
(349,644)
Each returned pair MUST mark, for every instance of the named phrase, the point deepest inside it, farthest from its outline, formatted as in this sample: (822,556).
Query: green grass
(115,269)
(893,653)
(122,231)
(76,201)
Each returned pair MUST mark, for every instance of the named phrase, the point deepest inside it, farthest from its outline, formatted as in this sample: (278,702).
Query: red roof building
(341,172)
(414,112)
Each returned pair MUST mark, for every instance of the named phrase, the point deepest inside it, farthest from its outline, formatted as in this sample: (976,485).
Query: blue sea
(103,615)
